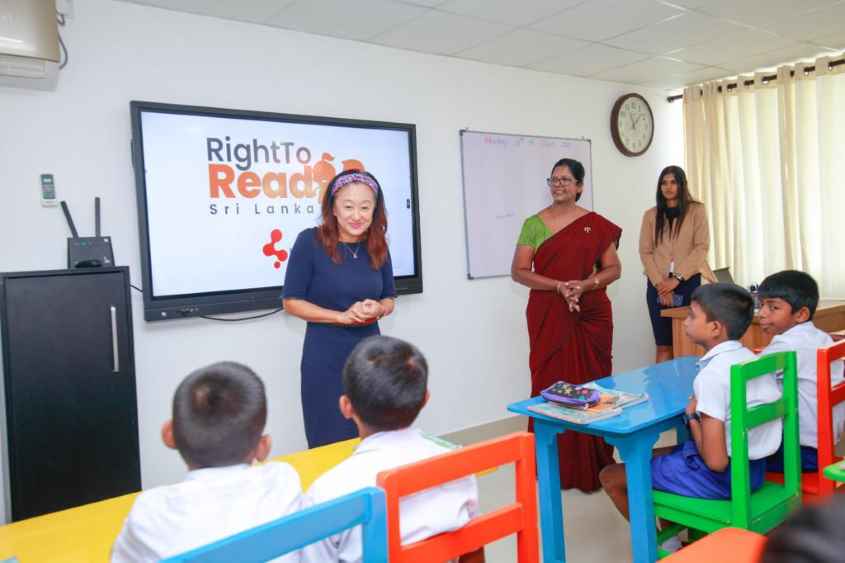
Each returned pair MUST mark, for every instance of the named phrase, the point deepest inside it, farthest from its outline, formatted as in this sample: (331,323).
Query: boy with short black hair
(700,467)
(789,301)
(385,386)
(813,534)
(219,413)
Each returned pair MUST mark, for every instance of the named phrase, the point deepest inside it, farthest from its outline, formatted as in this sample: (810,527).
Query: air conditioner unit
(29,44)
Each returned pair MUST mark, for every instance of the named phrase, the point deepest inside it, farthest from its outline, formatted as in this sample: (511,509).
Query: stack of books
(610,404)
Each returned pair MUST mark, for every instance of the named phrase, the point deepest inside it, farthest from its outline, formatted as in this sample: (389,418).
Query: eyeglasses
(554,182)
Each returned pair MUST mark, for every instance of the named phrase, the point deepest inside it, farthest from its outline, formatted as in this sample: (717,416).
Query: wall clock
(632,125)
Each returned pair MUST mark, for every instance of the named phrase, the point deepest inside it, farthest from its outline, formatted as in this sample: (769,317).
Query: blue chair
(295,531)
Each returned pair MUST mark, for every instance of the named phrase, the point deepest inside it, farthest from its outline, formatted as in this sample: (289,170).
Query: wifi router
(88,252)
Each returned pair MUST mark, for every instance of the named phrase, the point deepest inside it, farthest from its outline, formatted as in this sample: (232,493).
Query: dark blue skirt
(324,353)
(662,326)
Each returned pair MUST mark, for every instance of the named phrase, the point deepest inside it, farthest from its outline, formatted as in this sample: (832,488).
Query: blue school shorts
(683,472)
(809,460)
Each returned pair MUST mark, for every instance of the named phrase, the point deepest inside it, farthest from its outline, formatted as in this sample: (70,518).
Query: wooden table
(830,317)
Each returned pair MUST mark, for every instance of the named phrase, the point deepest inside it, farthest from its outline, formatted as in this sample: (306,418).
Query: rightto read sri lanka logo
(270,249)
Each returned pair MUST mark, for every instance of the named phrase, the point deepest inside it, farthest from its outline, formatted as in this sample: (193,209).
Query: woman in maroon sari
(567,256)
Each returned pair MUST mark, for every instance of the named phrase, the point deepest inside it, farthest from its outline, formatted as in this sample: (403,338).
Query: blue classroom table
(633,432)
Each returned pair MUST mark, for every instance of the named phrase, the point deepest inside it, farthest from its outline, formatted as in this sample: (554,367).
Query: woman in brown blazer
(674,240)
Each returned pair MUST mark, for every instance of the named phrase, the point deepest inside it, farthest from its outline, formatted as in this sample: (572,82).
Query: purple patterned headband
(355,178)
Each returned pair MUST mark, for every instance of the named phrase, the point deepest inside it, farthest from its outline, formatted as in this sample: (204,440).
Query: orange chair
(815,486)
(727,544)
(519,517)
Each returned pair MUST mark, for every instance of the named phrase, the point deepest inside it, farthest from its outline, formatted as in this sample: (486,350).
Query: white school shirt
(209,505)
(712,388)
(805,339)
(422,515)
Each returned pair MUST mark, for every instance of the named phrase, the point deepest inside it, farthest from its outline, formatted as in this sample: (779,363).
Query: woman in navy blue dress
(339,279)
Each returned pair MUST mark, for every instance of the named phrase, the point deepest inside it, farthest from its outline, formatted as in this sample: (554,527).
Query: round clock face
(633,125)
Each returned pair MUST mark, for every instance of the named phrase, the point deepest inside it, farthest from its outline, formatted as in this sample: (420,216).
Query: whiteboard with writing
(504,179)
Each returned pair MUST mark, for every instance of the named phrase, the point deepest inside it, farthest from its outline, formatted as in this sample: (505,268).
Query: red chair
(728,544)
(828,399)
(815,486)
(518,518)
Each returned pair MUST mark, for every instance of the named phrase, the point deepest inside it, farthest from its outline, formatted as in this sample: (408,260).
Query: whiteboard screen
(504,180)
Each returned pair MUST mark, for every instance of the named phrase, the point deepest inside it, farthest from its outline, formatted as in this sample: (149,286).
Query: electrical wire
(223,319)
(60,18)
(238,319)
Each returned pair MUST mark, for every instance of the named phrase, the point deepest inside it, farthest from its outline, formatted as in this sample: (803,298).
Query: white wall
(473,332)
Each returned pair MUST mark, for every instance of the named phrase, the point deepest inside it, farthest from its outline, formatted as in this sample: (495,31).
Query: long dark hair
(329,233)
(684,202)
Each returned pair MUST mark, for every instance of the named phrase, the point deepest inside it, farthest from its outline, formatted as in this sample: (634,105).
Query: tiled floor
(594,531)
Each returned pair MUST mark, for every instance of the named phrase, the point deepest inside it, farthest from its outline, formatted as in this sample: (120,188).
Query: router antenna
(69,220)
(97,216)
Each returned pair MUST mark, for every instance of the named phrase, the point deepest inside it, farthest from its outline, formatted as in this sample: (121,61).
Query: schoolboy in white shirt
(700,467)
(789,301)
(219,413)
(385,387)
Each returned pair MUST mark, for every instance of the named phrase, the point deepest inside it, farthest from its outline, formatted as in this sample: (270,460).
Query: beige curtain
(768,161)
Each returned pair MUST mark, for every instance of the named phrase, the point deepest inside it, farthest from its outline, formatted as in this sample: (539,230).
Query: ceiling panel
(811,25)
(426,3)
(521,48)
(256,11)
(361,19)
(602,19)
(776,58)
(674,33)
(734,47)
(508,12)
(660,43)
(441,33)
(755,12)
(833,41)
(650,70)
(589,60)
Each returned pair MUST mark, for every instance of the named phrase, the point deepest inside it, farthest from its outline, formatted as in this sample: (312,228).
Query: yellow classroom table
(86,533)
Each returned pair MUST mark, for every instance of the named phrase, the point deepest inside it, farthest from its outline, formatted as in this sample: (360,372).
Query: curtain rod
(766,79)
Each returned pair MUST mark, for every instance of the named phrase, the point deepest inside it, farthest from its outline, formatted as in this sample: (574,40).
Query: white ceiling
(653,43)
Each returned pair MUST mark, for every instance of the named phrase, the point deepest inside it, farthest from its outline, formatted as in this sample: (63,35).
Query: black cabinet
(69,376)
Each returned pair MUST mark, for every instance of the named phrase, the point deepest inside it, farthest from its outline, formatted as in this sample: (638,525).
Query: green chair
(835,472)
(772,503)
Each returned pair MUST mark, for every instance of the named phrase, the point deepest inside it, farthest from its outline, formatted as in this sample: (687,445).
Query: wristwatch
(678,277)
(696,416)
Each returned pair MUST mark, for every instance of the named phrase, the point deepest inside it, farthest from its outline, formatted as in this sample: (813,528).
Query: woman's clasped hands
(362,312)
(571,292)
